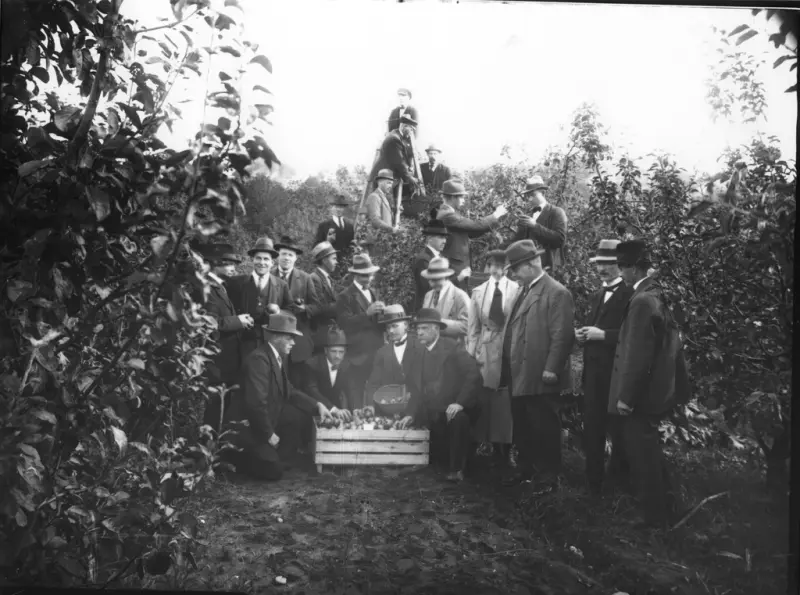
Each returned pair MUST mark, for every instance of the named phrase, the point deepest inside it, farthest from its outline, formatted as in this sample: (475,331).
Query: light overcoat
(454,306)
(484,337)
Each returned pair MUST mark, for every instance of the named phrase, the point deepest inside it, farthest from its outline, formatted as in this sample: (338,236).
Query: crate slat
(381,447)
(331,434)
(326,458)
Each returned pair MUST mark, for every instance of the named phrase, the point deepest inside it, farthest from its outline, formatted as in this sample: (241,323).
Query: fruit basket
(391,399)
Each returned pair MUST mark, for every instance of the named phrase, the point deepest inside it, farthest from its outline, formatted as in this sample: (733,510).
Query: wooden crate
(370,447)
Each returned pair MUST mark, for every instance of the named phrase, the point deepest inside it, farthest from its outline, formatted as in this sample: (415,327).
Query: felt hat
(393,313)
(362,265)
(406,119)
(263,245)
(340,200)
(435,227)
(438,268)
(533,184)
(206,250)
(386,174)
(288,243)
(430,315)
(498,255)
(632,253)
(322,250)
(431,148)
(404,91)
(606,252)
(521,251)
(283,323)
(335,337)
(453,187)
(223,252)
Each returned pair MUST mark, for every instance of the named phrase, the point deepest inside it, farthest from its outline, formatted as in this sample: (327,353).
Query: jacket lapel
(530,299)
(446,299)
(597,303)
(362,301)
(646,282)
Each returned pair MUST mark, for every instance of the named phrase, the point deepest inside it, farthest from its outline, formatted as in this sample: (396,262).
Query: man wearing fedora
(461,228)
(435,238)
(599,341)
(649,378)
(358,308)
(537,340)
(338,230)
(259,294)
(326,259)
(396,156)
(450,301)
(434,174)
(444,391)
(491,304)
(328,376)
(399,356)
(547,225)
(403,108)
(276,411)
(379,208)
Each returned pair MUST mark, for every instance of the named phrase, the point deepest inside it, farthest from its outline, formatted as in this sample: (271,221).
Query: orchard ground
(404,530)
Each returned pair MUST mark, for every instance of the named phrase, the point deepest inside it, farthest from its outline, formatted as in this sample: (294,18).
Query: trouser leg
(257,468)
(523,432)
(458,430)
(595,417)
(545,422)
(291,429)
(651,478)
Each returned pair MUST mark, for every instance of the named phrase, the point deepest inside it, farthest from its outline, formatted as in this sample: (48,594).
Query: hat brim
(435,232)
(429,321)
(606,259)
(281,332)
(340,204)
(383,178)
(294,249)
(526,258)
(433,150)
(391,320)
(535,188)
(367,271)
(325,254)
(230,258)
(255,251)
(438,274)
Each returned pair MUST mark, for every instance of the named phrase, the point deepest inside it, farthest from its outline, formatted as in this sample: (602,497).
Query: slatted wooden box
(370,447)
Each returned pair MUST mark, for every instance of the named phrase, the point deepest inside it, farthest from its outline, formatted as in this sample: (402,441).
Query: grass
(403,530)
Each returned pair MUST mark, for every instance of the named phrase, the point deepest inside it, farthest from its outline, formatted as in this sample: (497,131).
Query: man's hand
(274,440)
(452,410)
(500,211)
(527,221)
(467,272)
(324,412)
(623,409)
(549,377)
(594,334)
(331,237)
(246,320)
(397,229)
(403,423)
(343,414)
(375,308)
(580,335)
(273,309)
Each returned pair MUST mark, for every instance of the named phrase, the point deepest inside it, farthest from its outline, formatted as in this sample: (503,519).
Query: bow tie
(612,287)
(400,343)
(334,368)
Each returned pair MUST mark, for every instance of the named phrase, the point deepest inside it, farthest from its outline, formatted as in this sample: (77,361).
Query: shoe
(455,476)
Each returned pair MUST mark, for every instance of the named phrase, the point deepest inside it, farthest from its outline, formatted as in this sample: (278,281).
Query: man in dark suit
(258,294)
(276,411)
(328,377)
(398,357)
(462,229)
(599,341)
(648,380)
(338,230)
(404,108)
(535,365)
(395,155)
(326,259)
(436,237)
(547,226)
(434,174)
(358,307)
(444,394)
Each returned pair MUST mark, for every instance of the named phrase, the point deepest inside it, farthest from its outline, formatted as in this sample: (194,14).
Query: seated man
(450,301)
(395,359)
(328,376)
(276,411)
(444,394)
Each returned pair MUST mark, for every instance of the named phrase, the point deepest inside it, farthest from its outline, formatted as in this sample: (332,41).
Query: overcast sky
(488,74)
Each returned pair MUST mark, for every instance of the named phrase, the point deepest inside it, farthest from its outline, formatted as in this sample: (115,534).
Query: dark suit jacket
(461,230)
(318,383)
(650,373)
(394,116)
(434,180)
(265,391)
(447,374)
(550,232)
(229,360)
(387,370)
(246,300)
(325,314)
(302,287)
(396,156)
(421,285)
(598,356)
(364,335)
(344,235)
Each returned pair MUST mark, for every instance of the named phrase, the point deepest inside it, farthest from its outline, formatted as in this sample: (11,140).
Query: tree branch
(169,25)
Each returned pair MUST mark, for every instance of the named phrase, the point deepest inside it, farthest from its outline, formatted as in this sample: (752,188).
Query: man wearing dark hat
(380,214)
(537,340)
(396,155)
(462,229)
(444,393)
(401,354)
(404,108)
(338,230)
(435,237)
(648,380)
(328,376)
(358,307)
(434,174)
(259,294)
(547,226)
(450,301)
(599,340)
(277,412)
(325,258)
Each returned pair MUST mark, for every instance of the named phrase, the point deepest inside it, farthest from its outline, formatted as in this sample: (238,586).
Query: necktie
(262,281)
(400,343)
(496,308)
(435,299)
(284,274)
(334,367)
(612,288)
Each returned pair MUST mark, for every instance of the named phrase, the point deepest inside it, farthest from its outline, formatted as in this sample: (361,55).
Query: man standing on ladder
(403,109)
(396,155)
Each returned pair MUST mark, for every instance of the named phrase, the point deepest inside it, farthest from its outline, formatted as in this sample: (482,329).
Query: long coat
(454,306)
(484,337)
(344,235)
(396,156)
(421,285)
(650,373)
(550,231)
(387,370)
(542,336)
(247,299)
(436,178)
(318,382)
(461,230)
(364,334)
(325,314)
(219,305)
(266,389)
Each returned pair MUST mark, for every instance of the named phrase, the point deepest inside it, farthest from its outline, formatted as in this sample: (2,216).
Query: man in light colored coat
(379,209)
(491,304)
(451,302)
(537,341)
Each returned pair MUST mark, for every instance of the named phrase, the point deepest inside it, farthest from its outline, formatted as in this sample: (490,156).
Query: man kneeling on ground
(444,393)
(276,411)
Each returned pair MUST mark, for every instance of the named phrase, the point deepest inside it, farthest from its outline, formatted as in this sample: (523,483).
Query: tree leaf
(132,114)
(135,362)
(231,50)
(29,167)
(263,61)
(738,29)
(67,118)
(791,89)
(783,59)
(261,88)
(44,415)
(750,34)
(120,438)
(157,244)
(17,289)
(40,73)
(100,201)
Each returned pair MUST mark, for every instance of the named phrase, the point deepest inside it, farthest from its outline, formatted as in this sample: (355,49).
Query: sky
(484,75)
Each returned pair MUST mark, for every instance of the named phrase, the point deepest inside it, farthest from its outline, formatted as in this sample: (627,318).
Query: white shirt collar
(614,282)
(216,278)
(330,366)
(257,279)
(279,270)
(357,284)
(277,355)
(639,282)
(432,345)
(535,280)
(434,250)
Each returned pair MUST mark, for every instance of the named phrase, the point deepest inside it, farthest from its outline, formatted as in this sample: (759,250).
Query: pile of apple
(363,419)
